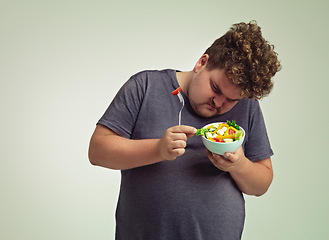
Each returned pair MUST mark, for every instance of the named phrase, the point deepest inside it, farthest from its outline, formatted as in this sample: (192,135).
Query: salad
(222,132)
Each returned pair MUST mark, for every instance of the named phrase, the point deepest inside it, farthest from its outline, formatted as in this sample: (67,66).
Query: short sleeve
(257,146)
(123,111)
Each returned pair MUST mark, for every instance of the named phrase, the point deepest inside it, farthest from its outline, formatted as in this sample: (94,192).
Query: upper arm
(102,130)
(102,136)
(268,164)
(110,150)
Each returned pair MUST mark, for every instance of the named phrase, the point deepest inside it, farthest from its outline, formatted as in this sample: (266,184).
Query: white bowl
(220,147)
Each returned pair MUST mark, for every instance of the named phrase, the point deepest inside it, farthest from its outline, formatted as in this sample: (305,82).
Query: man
(171,187)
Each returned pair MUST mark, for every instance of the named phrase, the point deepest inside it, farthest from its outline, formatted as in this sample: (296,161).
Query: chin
(207,113)
(204,110)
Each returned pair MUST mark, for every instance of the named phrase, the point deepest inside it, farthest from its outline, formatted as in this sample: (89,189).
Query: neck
(184,79)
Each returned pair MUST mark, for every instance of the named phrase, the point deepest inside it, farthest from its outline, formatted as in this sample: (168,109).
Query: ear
(201,63)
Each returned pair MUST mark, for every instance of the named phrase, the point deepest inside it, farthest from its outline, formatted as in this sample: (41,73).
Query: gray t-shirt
(187,198)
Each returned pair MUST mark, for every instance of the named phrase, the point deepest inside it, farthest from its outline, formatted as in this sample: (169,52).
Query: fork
(181,99)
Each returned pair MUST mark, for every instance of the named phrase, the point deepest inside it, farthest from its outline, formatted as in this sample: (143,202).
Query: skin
(210,93)
(110,150)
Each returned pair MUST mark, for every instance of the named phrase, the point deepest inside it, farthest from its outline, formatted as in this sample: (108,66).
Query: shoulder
(248,105)
(155,79)
(249,102)
(246,112)
(153,74)
(141,80)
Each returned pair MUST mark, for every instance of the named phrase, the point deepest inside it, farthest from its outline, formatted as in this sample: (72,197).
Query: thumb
(230,156)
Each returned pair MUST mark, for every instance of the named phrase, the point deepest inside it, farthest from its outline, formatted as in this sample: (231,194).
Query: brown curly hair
(248,59)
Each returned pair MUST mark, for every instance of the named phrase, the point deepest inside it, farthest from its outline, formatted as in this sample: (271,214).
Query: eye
(231,100)
(215,88)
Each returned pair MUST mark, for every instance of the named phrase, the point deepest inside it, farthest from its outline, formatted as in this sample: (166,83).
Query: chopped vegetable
(233,124)
(176,91)
(202,132)
(222,132)
(238,135)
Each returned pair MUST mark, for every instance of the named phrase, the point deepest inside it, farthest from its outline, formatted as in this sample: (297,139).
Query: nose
(219,100)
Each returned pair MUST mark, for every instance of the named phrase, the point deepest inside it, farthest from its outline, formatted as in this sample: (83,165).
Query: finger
(213,155)
(188,130)
(209,154)
(233,157)
(179,137)
(178,144)
(173,134)
(230,156)
(179,151)
(219,158)
(174,153)
(216,158)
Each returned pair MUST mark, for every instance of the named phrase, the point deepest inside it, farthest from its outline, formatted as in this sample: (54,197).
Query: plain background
(62,62)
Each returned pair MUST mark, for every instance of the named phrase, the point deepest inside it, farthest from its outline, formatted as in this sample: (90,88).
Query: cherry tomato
(231,132)
(175,92)
(219,140)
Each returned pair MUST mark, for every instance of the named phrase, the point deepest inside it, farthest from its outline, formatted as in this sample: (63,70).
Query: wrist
(159,154)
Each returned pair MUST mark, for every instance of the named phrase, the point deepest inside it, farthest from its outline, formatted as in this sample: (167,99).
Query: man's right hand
(173,142)
(110,150)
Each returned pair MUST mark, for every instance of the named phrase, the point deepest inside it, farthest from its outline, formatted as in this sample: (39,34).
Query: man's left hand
(230,162)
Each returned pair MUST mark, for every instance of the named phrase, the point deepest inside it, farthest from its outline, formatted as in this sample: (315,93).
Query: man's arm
(252,178)
(110,150)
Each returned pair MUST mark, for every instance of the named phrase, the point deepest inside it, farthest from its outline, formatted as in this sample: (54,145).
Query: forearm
(253,178)
(108,149)
(123,153)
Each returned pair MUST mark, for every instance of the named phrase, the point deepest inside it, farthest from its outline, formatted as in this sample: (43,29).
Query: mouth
(206,109)
(212,108)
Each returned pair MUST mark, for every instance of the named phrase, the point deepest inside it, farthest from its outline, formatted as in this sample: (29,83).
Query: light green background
(61,63)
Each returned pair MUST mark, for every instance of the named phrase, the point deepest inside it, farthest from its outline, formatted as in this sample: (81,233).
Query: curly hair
(248,59)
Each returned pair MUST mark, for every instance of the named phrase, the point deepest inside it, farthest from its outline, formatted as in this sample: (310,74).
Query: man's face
(211,93)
